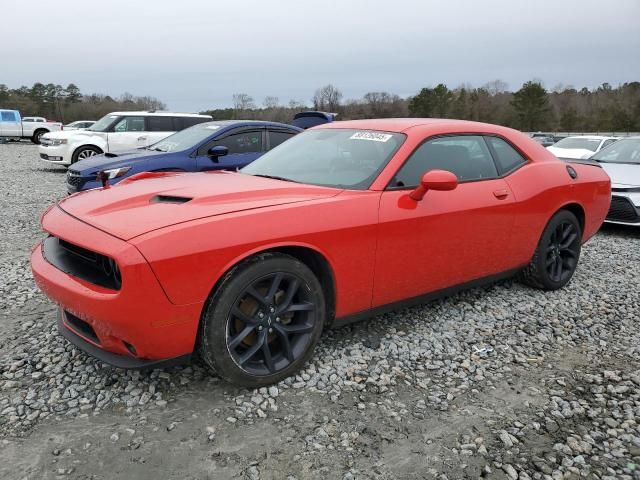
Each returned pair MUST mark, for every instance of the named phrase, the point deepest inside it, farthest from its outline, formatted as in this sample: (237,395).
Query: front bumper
(58,154)
(136,326)
(623,211)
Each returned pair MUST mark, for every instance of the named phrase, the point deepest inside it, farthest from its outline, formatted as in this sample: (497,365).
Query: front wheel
(556,257)
(263,321)
(85,152)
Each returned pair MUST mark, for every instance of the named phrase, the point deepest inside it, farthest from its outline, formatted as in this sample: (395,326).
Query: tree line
(530,108)
(67,104)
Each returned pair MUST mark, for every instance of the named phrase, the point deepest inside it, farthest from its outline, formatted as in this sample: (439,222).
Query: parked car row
(338,223)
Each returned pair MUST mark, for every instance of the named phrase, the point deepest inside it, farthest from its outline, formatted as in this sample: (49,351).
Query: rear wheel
(263,322)
(557,255)
(83,152)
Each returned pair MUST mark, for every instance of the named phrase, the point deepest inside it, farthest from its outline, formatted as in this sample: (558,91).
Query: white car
(79,125)
(115,132)
(580,146)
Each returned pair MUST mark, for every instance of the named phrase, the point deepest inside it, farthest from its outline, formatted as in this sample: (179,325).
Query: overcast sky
(194,54)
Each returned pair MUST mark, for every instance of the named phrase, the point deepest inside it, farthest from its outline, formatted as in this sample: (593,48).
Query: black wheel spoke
(249,354)
(235,341)
(292,289)
(297,329)
(257,295)
(299,307)
(268,360)
(286,345)
(568,241)
(273,289)
(240,315)
(567,252)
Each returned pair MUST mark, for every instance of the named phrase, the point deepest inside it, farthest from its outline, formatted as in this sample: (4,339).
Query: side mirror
(218,151)
(434,180)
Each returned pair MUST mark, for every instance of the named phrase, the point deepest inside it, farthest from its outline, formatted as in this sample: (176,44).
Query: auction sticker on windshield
(373,136)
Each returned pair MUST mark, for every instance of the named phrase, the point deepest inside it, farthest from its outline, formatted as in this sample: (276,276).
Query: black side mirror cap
(218,151)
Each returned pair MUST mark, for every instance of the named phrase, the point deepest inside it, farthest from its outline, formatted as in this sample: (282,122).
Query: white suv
(115,132)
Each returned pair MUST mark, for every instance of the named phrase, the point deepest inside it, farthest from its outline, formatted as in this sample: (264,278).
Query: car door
(449,237)
(158,127)
(244,145)
(10,123)
(128,133)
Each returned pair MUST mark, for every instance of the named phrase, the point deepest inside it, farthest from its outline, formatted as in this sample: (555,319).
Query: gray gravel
(505,382)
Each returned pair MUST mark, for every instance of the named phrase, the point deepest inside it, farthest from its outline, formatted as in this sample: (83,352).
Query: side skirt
(426,298)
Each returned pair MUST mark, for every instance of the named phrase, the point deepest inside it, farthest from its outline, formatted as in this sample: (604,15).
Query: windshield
(187,138)
(341,158)
(102,124)
(590,144)
(623,151)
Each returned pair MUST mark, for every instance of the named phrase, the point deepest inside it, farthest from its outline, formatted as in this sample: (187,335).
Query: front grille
(622,210)
(85,264)
(81,327)
(74,179)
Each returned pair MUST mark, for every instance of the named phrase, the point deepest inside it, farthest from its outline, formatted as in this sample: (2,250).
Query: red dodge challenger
(339,223)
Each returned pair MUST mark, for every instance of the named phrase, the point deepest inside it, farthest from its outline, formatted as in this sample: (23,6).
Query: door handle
(142,138)
(501,194)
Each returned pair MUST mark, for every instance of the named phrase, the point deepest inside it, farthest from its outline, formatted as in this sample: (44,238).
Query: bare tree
(327,98)
(271,102)
(242,101)
(495,87)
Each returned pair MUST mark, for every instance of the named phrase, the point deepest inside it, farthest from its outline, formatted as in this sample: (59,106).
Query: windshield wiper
(274,177)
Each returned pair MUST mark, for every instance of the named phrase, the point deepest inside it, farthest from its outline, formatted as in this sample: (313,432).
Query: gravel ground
(501,383)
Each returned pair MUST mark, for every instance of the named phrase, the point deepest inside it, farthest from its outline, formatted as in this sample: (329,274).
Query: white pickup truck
(13,126)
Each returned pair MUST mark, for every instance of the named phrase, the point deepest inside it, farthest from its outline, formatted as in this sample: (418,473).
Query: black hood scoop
(169,199)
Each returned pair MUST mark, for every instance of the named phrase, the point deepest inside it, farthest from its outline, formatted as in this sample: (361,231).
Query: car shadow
(621,230)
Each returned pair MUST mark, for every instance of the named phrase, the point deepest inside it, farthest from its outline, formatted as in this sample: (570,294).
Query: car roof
(160,114)
(244,123)
(591,137)
(403,124)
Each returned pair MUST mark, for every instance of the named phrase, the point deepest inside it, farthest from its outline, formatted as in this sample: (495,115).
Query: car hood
(622,174)
(570,152)
(135,206)
(114,160)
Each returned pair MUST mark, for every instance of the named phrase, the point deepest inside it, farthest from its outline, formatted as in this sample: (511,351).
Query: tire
(243,336)
(36,136)
(556,257)
(83,152)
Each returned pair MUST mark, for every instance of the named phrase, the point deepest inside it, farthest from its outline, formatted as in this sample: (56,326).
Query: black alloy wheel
(556,257)
(562,252)
(263,321)
(270,324)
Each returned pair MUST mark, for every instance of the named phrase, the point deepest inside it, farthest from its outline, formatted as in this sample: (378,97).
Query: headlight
(56,141)
(116,172)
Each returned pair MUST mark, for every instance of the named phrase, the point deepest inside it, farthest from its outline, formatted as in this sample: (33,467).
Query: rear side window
(277,137)
(186,122)
(507,157)
(160,124)
(467,156)
(130,124)
(246,142)
(8,117)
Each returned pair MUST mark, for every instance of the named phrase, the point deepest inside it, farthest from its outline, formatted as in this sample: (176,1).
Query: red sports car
(339,223)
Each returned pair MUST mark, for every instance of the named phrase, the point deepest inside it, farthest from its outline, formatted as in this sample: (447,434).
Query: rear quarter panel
(542,188)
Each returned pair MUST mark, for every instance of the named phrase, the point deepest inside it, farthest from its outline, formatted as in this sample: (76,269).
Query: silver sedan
(621,161)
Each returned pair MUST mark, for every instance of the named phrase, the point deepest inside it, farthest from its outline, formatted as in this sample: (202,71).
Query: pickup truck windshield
(102,124)
(187,138)
(341,158)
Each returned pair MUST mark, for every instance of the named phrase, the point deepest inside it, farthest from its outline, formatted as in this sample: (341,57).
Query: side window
(8,117)
(277,137)
(27,120)
(186,122)
(130,124)
(507,157)
(245,142)
(160,124)
(467,156)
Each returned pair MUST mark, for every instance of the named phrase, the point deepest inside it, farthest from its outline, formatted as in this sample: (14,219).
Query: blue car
(218,145)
